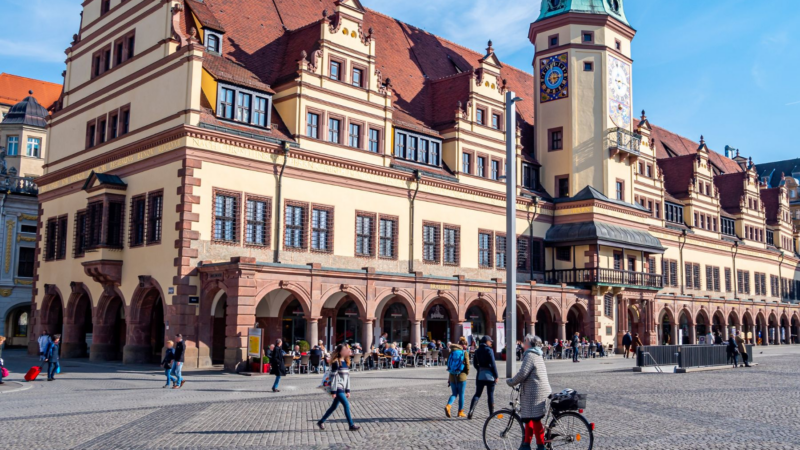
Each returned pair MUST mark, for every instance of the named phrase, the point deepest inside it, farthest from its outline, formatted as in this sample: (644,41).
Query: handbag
(485,375)
(167,365)
(5,372)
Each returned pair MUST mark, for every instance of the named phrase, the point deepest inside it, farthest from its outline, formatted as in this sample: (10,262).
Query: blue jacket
(627,339)
(169,356)
(51,351)
(484,360)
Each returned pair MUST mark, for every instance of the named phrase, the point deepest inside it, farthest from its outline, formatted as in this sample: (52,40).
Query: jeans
(575,354)
(52,366)
(489,385)
(457,390)
(341,397)
(176,372)
(735,358)
(170,378)
(277,382)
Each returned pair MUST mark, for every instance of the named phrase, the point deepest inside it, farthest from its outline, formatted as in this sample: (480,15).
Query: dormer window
(213,42)
(244,105)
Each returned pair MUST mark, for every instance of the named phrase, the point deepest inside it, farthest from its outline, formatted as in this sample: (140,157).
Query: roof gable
(97,181)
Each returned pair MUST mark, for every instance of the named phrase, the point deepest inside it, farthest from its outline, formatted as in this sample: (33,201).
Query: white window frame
(207,35)
(253,96)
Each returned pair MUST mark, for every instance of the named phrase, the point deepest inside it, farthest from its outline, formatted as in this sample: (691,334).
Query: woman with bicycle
(534,390)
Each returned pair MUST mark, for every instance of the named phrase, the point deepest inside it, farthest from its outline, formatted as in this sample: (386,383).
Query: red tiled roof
(204,15)
(680,145)
(14,89)
(678,173)
(226,70)
(731,189)
(772,202)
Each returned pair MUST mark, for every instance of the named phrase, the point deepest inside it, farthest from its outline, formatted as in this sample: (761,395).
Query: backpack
(455,362)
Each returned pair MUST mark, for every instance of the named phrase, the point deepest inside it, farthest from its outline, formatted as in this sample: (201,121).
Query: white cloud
(793,103)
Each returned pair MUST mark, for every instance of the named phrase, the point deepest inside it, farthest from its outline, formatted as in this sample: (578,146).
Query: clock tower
(584,126)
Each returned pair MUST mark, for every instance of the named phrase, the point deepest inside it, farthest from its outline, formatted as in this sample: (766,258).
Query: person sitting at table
(415,348)
(373,356)
(559,347)
(600,350)
(394,354)
(296,352)
(432,345)
(317,351)
(357,348)
(409,350)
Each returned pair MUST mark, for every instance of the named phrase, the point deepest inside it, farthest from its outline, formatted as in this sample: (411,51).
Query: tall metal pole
(511,233)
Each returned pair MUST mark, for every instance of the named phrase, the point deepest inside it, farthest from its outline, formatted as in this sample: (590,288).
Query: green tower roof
(613,8)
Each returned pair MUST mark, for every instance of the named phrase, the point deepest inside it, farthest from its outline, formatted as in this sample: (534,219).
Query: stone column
(415,332)
(312,330)
(366,340)
(692,335)
(241,315)
(674,334)
(562,330)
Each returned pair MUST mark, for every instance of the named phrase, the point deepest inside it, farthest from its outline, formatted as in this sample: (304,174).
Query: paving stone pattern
(109,406)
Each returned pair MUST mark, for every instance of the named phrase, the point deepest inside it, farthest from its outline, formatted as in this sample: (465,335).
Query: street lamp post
(511,232)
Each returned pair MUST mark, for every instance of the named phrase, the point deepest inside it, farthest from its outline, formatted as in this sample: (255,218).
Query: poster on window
(701,340)
(500,342)
(254,339)
(466,330)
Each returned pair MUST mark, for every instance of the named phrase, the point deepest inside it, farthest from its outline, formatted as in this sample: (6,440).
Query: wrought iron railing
(605,276)
(622,139)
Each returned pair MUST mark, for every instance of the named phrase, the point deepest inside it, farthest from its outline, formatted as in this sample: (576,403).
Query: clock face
(554,78)
(619,92)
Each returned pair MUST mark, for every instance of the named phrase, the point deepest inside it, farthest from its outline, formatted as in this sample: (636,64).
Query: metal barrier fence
(686,355)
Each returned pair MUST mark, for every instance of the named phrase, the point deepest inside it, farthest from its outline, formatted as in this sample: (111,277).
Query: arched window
(22,325)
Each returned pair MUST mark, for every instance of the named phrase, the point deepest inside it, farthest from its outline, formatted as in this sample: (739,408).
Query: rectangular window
(155,208)
(434,154)
(556,139)
(79,248)
(692,276)
(564,254)
(562,186)
(499,251)
(312,125)
(631,264)
(411,150)
(465,159)
(357,77)
(651,265)
(113,123)
(374,140)
(480,116)
(295,227)
(124,121)
(333,130)
(130,47)
(25,262)
(451,243)
(212,43)
(528,176)
(537,255)
(101,130)
(620,190)
(94,224)
(105,6)
(495,170)
(12,145)
(91,129)
(673,213)
(481,167)
(430,243)
(138,209)
(388,238)
(243,107)
(365,235)
(523,253)
(553,40)
(260,112)
(114,223)
(355,135)
(588,66)
(257,224)
(225,218)
(226,103)
(496,121)
(485,249)
(588,37)
(423,151)
(35,146)
(757,283)
(673,273)
(400,146)
(617,261)
(51,240)
(773,285)
(336,69)
(322,229)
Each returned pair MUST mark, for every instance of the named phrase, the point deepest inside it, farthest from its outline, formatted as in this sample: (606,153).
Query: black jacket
(484,360)
(627,339)
(575,341)
(169,356)
(276,364)
(180,350)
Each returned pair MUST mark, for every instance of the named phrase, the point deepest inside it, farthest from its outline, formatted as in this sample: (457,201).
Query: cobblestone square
(107,406)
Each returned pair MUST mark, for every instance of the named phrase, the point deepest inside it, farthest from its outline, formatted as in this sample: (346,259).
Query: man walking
(177,366)
(626,343)
(51,357)
(43,340)
(742,348)
(575,344)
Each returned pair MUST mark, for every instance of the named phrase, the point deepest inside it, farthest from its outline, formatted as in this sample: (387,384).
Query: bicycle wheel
(569,430)
(503,431)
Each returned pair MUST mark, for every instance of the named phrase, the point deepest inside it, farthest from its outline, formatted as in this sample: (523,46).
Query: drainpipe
(735,280)
(417,177)
(681,269)
(279,192)
(535,200)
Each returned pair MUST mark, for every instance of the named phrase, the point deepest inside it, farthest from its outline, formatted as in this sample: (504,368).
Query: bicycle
(504,430)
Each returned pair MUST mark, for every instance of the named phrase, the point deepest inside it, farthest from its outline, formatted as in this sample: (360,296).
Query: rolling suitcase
(33,373)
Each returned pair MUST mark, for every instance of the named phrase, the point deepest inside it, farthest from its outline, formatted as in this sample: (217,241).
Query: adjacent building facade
(329,173)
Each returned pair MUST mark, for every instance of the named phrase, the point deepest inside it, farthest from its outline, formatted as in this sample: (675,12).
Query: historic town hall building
(328,172)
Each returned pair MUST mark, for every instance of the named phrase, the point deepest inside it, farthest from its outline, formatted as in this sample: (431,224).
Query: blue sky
(727,69)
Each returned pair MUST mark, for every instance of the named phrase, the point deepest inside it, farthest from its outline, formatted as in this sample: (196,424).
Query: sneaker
(447,411)
(355,428)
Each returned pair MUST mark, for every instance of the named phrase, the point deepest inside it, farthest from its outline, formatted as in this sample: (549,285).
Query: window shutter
(716,279)
(673,273)
(697,276)
(688,271)
(709,279)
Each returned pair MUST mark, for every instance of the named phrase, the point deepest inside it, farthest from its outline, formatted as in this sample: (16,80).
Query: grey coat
(535,387)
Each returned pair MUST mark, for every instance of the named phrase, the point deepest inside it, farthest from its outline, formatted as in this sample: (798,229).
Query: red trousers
(534,428)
